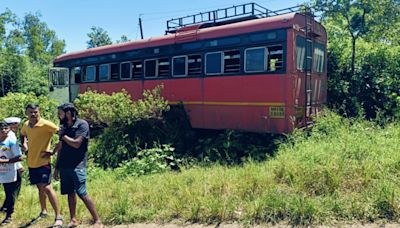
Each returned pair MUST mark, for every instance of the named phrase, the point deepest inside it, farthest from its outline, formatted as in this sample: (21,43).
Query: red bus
(258,72)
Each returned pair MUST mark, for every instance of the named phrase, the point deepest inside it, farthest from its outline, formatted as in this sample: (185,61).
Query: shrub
(14,105)
(130,125)
(158,159)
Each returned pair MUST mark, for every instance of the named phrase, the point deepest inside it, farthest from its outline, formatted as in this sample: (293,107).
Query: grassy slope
(343,171)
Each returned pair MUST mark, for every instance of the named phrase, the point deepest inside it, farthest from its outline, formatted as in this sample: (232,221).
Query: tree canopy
(98,37)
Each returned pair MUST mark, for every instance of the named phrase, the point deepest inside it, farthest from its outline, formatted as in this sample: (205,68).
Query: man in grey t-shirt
(71,161)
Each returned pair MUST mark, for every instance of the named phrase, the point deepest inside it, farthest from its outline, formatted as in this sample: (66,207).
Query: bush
(130,125)
(14,105)
(158,159)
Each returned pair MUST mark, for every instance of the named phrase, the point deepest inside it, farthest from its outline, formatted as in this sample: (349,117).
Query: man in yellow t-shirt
(36,134)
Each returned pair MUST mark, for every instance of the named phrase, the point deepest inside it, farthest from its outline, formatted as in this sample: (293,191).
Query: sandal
(58,221)
(43,215)
(7,220)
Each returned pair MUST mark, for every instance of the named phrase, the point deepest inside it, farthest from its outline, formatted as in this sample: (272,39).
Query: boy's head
(4,129)
(13,122)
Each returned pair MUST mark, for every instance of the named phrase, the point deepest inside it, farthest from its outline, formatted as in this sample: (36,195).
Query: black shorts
(40,175)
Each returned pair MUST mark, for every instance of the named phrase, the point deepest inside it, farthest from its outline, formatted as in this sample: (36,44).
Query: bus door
(59,84)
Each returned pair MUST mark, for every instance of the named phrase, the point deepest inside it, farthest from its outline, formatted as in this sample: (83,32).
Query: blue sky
(72,19)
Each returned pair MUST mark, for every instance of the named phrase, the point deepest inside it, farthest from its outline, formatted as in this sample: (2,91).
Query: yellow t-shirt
(39,139)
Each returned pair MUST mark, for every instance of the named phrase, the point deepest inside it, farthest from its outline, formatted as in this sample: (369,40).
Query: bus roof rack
(228,15)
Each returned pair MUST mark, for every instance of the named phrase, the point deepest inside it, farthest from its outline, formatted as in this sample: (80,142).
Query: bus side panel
(186,90)
(134,88)
(242,102)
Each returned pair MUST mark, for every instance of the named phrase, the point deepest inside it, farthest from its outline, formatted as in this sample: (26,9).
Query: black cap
(3,124)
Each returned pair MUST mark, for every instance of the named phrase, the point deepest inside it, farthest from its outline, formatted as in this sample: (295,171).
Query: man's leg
(51,194)
(42,200)
(72,210)
(92,209)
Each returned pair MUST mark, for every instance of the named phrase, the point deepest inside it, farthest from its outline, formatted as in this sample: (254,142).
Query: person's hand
(56,175)
(24,147)
(61,132)
(2,160)
(46,154)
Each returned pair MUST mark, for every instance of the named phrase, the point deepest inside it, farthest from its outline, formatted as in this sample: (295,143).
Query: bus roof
(197,33)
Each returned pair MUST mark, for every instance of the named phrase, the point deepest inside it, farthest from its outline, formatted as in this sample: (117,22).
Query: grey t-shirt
(74,157)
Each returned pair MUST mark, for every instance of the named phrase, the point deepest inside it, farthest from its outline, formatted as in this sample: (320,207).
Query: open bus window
(300,53)
(232,61)
(194,64)
(89,74)
(76,75)
(104,72)
(137,69)
(256,59)
(150,68)
(319,58)
(179,66)
(114,71)
(214,63)
(163,67)
(126,70)
(275,57)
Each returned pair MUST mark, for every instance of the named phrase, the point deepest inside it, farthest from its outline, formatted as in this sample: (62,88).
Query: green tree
(42,44)
(98,37)
(27,48)
(123,39)
(366,82)
(361,18)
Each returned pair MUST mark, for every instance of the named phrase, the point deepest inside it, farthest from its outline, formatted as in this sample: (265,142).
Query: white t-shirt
(11,134)
(8,149)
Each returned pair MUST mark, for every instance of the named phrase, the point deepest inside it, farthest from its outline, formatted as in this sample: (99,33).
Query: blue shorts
(40,175)
(73,181)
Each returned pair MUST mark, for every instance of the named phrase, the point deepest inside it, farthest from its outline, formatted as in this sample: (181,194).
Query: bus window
(126,70)
(194,64)
(255,59)
(104,73)
(300,53)
(319,56)
(136,69)
(232,61)
(275,57)
(76,75)
(114,71)
(150,70)
(179,66)
(163,67)
(89,74)
(214,63)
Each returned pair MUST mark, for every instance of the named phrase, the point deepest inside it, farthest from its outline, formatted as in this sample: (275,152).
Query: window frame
(141,62)
(156,68)
(158,65)
(201,64)
(108,72)
(222,63)
(265,59)
(186,66)
(130,70)
(225,59)
(84,76)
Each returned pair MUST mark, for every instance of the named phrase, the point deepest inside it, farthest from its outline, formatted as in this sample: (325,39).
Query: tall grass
(342,170)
